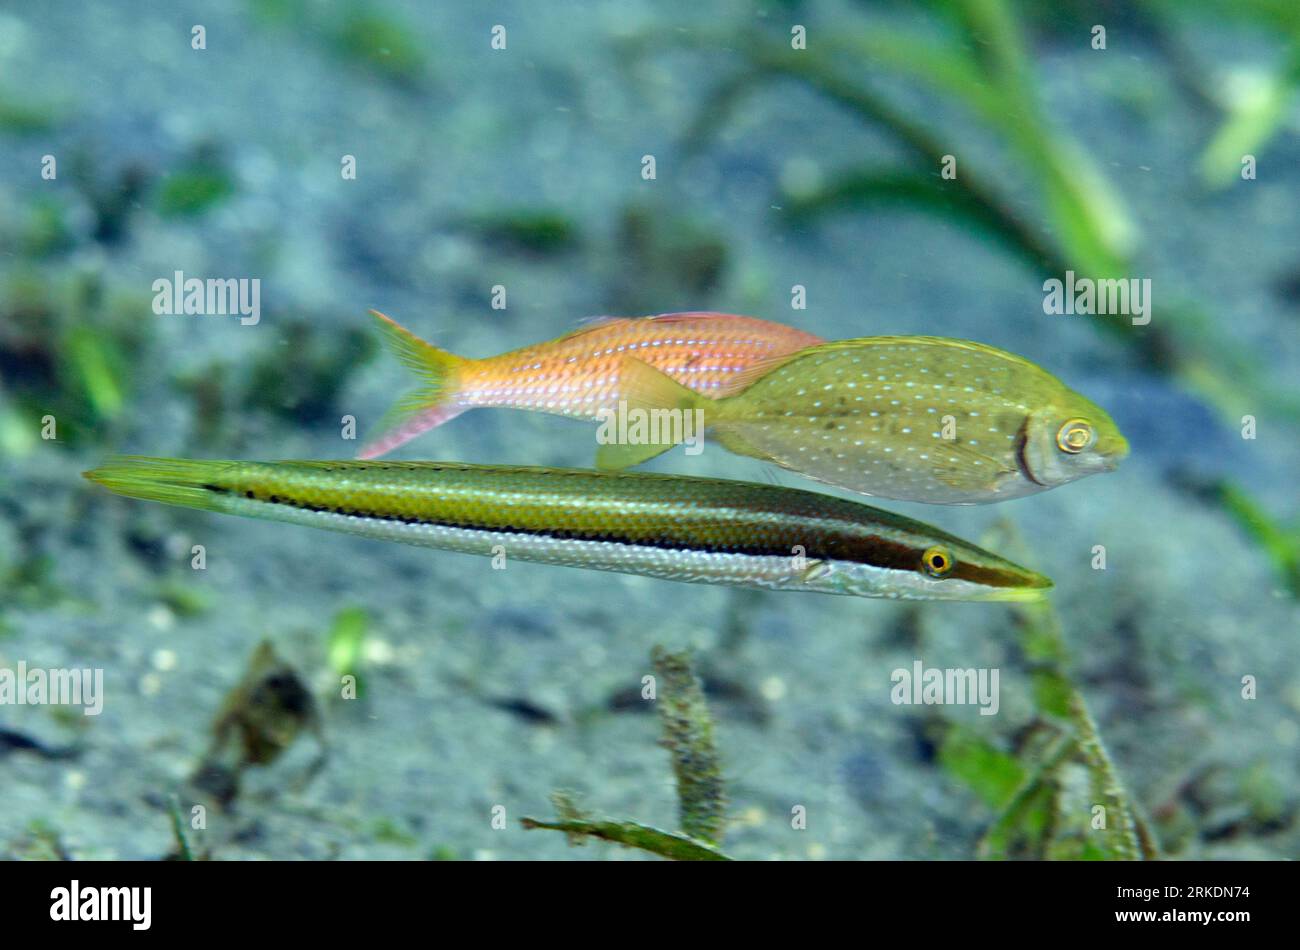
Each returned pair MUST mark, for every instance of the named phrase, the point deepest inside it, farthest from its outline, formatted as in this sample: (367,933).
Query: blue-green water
(522,168)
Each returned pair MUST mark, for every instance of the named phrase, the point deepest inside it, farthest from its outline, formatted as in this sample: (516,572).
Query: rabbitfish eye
(1074,436)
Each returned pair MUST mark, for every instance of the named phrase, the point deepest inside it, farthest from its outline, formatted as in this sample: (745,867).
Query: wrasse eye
(937,561)
(1074,436)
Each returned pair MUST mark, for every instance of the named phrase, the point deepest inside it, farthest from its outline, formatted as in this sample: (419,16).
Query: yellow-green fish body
(922,419)
(698,530)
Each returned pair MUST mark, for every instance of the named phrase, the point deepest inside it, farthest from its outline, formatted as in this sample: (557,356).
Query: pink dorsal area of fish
(578,374)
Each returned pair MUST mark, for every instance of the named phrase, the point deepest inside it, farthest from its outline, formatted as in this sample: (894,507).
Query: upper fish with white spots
(925,419)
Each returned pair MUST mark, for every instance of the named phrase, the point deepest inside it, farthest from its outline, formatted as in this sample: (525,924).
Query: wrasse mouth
(1021,595)
(1031,587)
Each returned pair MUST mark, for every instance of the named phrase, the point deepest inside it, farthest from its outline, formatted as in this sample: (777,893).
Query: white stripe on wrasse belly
(704,567)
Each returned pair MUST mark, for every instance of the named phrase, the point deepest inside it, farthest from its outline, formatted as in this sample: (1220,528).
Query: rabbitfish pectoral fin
(965,469)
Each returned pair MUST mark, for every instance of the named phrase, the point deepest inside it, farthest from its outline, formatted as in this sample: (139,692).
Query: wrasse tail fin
(183,482)
(421,409)
(644,390)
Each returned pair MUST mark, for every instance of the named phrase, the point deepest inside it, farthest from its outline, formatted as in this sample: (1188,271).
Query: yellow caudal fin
(423,408)
(185,482)
(656,413)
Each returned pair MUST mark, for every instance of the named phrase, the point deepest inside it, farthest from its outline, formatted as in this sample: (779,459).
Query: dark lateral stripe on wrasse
(904,555)
(818,545)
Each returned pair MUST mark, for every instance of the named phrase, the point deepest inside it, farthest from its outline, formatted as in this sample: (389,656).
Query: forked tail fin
(421,409)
